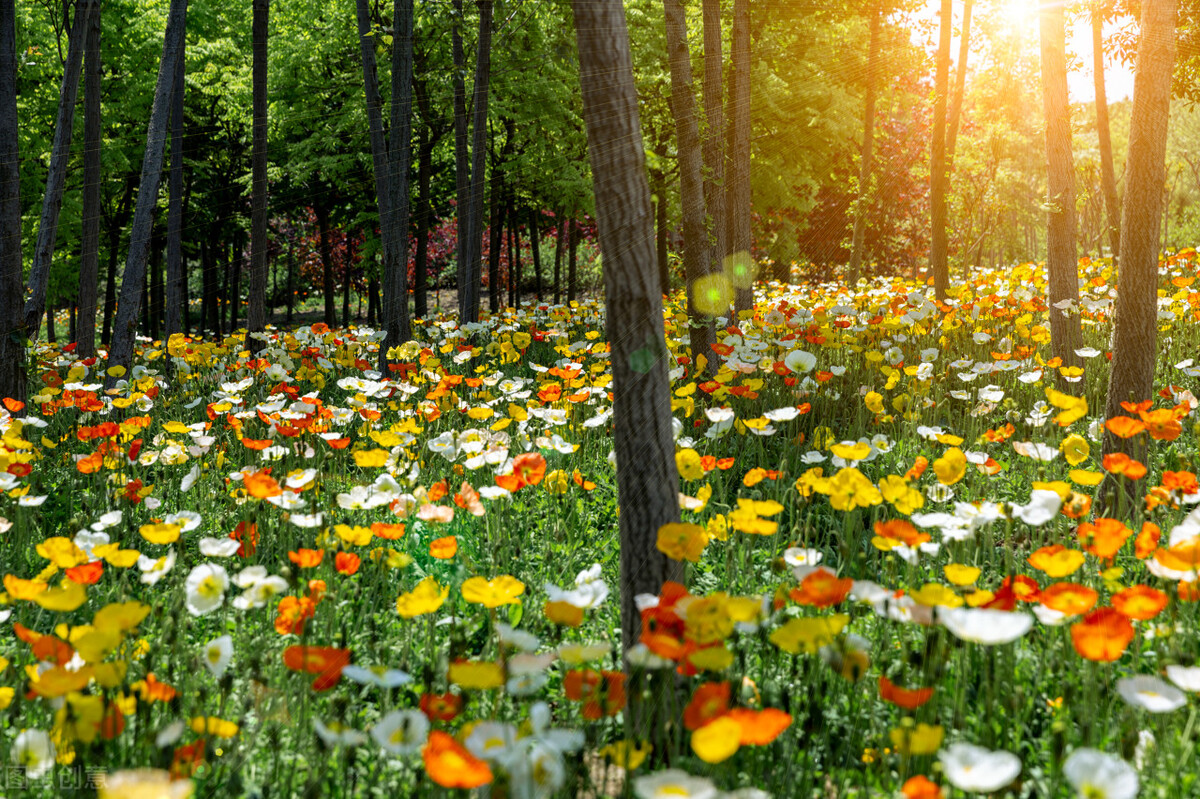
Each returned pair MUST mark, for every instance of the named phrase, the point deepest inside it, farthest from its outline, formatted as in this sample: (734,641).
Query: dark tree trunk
(1062,266)
(572,262)
(714,137)
(1108,176)
(56,178)
(661,230)
(291,278)
(235,298)
(697,261)
(514,257)
(560,241)
(346,281)
(89,262)
(156,284)
(326,265)
(496,241)
(256,310)
(114,253)
(176,279)
(737,206)
(12,336)
(372,297)
(224,277)
(462,160)
(208,299)
(939,253)
(1135,323)
(960,84)
(469,304)
(535,242)
(868,146)
(424,214)
(121,353)
(647,480)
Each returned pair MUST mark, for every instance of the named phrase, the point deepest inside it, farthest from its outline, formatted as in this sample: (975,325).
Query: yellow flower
(354,536)
(1075,449)
(688,463)
(812,480)
(79,717)
(67,597)
(1085,478)
(557,482)
(874,402)
(708,619)
(682,541)
(896,490)
(932,594)
(711,658)
(1073,408)
(160,532)
(121,616)
(850,489)
(718,740)
(951,467)
(212,725)
(627,754)
(6,697)
(923,739)
(426,598)
(718,528)
(808,634)
(368,458)
(62,552)
(475,675)
(502,590)
(851,451)
(958,574)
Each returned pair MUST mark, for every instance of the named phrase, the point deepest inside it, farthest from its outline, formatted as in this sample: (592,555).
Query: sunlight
(1018,14)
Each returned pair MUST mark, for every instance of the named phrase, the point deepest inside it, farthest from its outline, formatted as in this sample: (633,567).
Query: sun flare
(1018,14)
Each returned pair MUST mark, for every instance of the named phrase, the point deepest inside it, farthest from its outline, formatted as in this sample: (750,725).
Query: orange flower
(437,491)
(1188,592)
(261,485)
(1056,560)
(256,443)
(154,691)
(326,662)
(337,443)
(1124,426)
(307,558)
(444,548)
(389,531)
(347,563)
(760,727)
(441,707)
(821,588)
(91,464)
(87,573)
(918,468)
(246,534)
(1147,540)
(1102,635)
(603,693)
(1139,602)
(1104,537)
(901,530)
(1137,407)
(1022,588)
(563,613)
(920,787)
(1183,482)
(1071,599)
(1162,424)
(1120,463)
(709,702)
(903,697)
(292,613)
(450,765)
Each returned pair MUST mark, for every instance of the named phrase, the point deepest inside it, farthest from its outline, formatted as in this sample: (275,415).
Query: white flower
(217,654)
(307,520)
(1151,693)
(978,770)
(1098,775)
(170,734)
(640,656)
(673,783)
(187,520)
(380,676)
(1186,677)
(218,547)
(206,585)
(34,751)
(401,732)
(335,734)
(1043,506)
(800,362)
(985,626)
(491,740)
(154,569)
(589,592)
(1036,450)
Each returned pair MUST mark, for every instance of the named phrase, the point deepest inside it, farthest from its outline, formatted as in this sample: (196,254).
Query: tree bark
(737,205)
(939,255)
(661,230)
(237,258)
(176,279)
(56,178)
(291,272)
(647,480)
(697,261)
(121,352)
(560,240)
(12,334)
(89,263)
(1108,176)
(960,84)
(495,240)
(462,158)
(395,257)
(256,311)
(469,304)
(1135,323)
(714,136)
(326,265)
(573,261)
(535,241)
(1062,265)
(424,217)
(868,146)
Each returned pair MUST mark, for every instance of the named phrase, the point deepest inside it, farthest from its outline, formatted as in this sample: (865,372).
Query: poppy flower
(261,485)
(1102,635)
(709,702)
(903,697)
(346,563)
(821,588)
(1124,426)
(307,558)
(1140,602)
(1104,537)
(444,548)
(441,707)
(326,662)
(1120,463)
(1056,560)
(450,765)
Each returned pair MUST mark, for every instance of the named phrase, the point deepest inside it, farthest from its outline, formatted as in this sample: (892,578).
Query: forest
(599,398)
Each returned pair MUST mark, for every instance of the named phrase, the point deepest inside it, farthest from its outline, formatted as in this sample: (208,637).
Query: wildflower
(325,661)
(717,741)
(951,467)
(450,765)
(902,697)
(1097,775)
(216,655)
(401,732)
(205,586)
(682,541)
(34,751)
(475,675)
(1151,693)
(1056,560)
(919,739)
(1104,537)
(982,626)
(978,770)
(920,787)
(1102,635)
(673,784)
(1070,599)
(502,590)
(426,598)
(1140,602)
(688,462)
(808,634)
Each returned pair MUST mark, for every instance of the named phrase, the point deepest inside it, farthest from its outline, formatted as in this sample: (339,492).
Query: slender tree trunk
(483,69)
(12,336)
(714,136)
(661,230)
(1062,265)
(868,146)
(514,256)
(176,279)
(347,280)
(737,206)
(535,246)
(1135,323)
(696,260)
(495,240)
(647,481)
(395,263)
(1108,176)
(208,298)
(56,178)
(939,255)
(238,257)
(560,240)
(572,262)
(89,262)
(326,265)
(462,160)
(256,311)
(960,84)
(121,352)
(424,214)
(291,272)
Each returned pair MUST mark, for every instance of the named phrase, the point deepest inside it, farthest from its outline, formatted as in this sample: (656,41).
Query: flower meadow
(290,575)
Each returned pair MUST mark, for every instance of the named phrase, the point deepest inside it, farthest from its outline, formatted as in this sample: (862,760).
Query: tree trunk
(960,84)
(572,262)
(12,336)
(1108,177)
(697,262)
(560,240)
(495,240)
(256,311)
(1135,323)
(208,298)
(237,257)
(535,242)
(346,281)
(939,255)
(291,272)
(868,147)
(462,159)
(647,480)
(121,352)
(176,280)
(326,265)
(1062,265)
(89,262)
(514,256)
(395,256)
(424,215)
(737,206)
(156,283)
(714,136)
(469,310)
(56,178)
(661,230)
